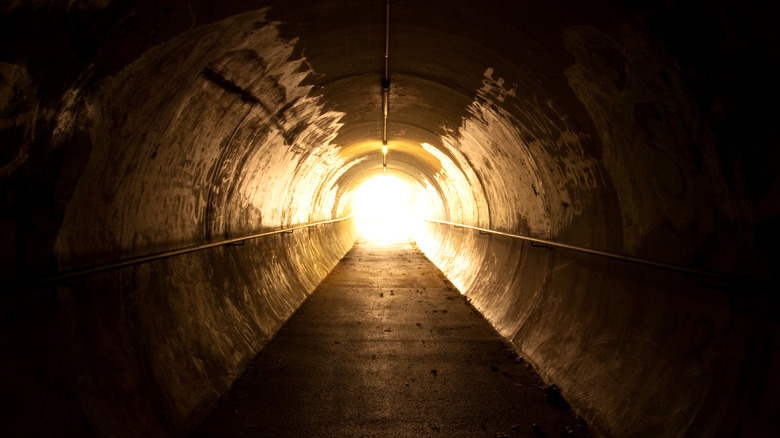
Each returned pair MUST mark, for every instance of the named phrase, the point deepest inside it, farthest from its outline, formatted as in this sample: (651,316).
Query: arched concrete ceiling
(555,119)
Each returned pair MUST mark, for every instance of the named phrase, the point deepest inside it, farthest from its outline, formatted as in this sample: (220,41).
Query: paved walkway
(387,347)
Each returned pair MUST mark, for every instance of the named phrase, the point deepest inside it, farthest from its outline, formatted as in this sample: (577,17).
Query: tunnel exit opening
(389,210)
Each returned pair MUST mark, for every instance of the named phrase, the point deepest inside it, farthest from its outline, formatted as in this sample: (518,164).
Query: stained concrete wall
(149,350)
(135,127)
(637,350)
(179,148)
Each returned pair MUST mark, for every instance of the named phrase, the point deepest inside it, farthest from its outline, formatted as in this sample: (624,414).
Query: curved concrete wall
(134,128)
(149,350)
(190,156)
(639,351)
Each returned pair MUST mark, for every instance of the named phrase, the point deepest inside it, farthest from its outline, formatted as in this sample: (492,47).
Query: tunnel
(599,180)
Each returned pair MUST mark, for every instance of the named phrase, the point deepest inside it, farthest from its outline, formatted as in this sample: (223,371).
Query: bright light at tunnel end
(388,210)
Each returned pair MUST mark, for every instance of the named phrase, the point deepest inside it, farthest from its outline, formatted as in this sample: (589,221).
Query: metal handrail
(131,261)
(668,266)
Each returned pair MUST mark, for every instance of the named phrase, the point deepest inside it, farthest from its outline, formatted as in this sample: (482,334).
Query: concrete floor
(386,346)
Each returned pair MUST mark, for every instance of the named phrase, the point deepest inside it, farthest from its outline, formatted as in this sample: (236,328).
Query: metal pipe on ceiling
(386,87)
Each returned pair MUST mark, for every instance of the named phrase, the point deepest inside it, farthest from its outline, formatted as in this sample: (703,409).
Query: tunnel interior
(646,131)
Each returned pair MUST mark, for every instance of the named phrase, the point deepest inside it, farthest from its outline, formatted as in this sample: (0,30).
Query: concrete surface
(123,357)
(646,129)
(583,320)
(387,347)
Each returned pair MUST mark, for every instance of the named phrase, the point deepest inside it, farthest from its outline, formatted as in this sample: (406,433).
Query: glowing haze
(387,209)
